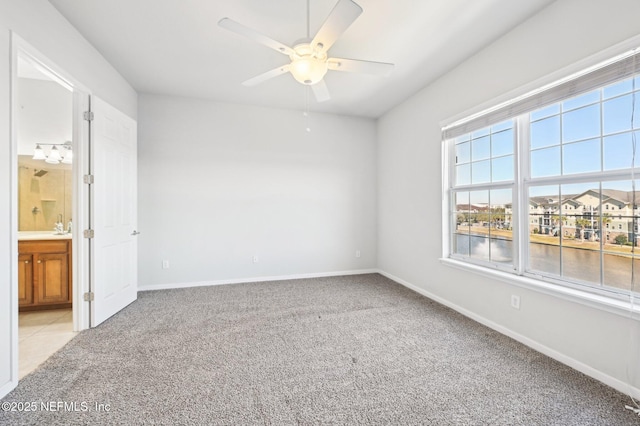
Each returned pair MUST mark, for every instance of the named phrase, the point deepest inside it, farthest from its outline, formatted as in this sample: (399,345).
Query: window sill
(615,306)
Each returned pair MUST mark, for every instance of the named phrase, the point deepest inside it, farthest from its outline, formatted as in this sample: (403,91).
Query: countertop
(41,235)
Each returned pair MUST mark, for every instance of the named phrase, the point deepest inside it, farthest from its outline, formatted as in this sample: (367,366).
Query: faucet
(59,229)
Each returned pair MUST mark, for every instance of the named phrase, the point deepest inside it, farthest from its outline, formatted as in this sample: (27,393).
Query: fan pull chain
(307,120)
(308,20)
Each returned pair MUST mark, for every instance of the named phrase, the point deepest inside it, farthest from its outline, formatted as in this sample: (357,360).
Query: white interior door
(114,253)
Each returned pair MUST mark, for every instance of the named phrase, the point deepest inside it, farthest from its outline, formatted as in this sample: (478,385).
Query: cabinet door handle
(39,261)
(26,261)
(134,233)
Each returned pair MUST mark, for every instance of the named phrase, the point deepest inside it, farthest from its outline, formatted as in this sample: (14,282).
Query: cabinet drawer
(43,246)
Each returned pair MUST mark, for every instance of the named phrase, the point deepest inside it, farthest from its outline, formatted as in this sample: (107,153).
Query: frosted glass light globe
(308,70)
(308,66)
(54,156)
(38,153)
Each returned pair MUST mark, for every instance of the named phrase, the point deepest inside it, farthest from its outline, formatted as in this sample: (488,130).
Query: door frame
(80,197)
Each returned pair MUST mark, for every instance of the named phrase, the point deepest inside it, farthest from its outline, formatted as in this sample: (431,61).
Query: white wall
(45,114)
(409,197)
(221,183)
(40,25)
(6,245)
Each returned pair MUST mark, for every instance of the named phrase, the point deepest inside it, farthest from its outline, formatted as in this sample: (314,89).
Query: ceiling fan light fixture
(309,56)
(308,70)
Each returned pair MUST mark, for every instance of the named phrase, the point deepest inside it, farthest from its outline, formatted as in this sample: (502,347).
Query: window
(481,215)
(528,192)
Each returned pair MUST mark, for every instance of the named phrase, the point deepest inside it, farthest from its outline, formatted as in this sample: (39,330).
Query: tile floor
(41,334)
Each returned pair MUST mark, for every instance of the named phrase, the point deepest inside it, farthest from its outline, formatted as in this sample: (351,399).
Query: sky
(593,132)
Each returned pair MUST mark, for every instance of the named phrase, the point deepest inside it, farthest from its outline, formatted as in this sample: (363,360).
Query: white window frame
(486,187)
(624,302)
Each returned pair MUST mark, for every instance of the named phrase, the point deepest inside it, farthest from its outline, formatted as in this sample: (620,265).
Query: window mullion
(600,211)
(448,157)
(610,175)
(520,198)
(484,187)
(601,238)
(560,195)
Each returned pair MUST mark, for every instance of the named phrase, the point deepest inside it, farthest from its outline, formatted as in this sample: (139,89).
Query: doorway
(101,269)
(44,134)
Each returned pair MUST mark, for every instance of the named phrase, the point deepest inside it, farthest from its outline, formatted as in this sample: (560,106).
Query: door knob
(134,233)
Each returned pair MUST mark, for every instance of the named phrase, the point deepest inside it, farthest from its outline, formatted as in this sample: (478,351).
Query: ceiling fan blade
(355,65)
(340,18)
(266,76)
(238,28)
(320,91)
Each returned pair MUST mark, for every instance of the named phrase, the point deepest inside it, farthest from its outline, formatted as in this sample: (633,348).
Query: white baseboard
(255,279)
(617,384)
(8,387)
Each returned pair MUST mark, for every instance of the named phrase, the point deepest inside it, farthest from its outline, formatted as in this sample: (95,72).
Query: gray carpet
(347,350)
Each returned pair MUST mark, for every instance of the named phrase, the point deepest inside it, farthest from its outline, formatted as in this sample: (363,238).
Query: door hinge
(88,297)
(88,179)
(88,115)
(88,233)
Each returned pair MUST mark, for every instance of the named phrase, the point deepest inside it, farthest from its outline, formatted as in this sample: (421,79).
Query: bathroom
(45,150)
(45,221)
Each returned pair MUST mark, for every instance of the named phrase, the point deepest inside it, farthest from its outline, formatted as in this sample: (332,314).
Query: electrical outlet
(165,264)
(255,259)
(357,253)
(515,301)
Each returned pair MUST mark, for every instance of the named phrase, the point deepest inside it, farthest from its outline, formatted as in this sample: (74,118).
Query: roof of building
(611,196)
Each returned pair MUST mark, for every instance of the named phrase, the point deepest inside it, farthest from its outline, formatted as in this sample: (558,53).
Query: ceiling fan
(309,58)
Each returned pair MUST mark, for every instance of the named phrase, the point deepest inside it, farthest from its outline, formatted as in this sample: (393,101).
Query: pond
(608,270)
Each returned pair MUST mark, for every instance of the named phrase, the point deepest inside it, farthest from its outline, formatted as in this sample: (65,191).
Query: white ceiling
(176,48)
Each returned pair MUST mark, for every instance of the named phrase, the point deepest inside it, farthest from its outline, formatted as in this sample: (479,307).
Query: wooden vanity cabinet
(44,274)
(25,279)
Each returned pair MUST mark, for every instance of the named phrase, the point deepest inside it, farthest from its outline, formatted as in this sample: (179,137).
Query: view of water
(572,263)
(496,250)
